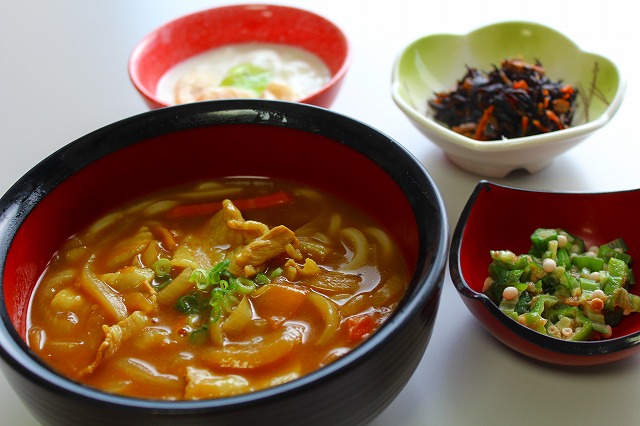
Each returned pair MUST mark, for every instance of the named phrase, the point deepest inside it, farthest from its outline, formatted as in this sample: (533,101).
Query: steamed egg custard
(244,70)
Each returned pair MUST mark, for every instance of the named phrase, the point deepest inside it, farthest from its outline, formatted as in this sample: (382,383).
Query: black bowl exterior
(352,390)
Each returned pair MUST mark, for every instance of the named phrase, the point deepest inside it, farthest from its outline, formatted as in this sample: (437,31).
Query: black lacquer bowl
(119,162)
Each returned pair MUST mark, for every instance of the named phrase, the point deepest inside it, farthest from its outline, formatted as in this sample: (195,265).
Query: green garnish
(248,76)
(261,279)
(192,303)
(275,273)
(162,272)
(199,336)
(561,290)
(162,268)
(218,291)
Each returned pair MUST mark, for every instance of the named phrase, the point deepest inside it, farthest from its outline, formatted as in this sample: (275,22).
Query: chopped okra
(563,289)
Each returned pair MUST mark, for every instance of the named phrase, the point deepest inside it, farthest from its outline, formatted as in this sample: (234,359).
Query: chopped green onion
(162,267)
(276,273)
(162,284)
(219,290)
(245,285)
(191,303)
(201,278)
(199,336)
(218,270)
(261,279)
(162,272)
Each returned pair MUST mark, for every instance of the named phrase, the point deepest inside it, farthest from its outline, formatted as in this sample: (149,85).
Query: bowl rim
(443,132)
(427,277)
(138,50)
(573,348)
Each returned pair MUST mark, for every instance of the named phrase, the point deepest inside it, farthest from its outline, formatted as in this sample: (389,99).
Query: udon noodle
(215,289)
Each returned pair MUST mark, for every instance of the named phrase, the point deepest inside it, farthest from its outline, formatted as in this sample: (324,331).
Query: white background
(63,73)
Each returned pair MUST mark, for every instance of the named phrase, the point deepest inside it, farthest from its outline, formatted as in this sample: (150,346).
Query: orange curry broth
(144,347)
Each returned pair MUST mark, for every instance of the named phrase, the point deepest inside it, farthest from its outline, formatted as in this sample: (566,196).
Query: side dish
(245,70)
(563,289)
(215,289)
(515,100)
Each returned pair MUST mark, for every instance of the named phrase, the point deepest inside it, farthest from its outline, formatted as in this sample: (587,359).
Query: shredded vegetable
(512,101)
(561,289)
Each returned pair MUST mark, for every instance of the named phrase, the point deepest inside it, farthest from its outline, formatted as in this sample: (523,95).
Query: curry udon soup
(215,289)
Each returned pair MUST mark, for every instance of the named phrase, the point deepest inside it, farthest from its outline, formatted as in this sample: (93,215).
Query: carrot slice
(483,121)
(567,90)
(520,84)
(524,124)
(553,117)
(359,327)
(201,209)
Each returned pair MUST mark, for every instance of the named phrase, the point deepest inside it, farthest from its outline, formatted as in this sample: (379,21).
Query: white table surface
(63,73)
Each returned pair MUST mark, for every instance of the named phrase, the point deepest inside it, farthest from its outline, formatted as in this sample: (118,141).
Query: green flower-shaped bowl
(434,63)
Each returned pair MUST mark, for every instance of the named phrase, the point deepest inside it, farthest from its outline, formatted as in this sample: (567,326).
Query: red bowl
(498,217)
(190,35)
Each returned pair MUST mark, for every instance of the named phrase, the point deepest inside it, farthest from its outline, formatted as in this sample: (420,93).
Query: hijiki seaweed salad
(563,289)
(514,100)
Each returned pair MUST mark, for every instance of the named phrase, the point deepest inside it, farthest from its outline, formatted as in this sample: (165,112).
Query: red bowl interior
(182,156)
(499,217)
(193,34)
